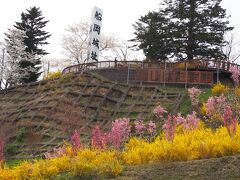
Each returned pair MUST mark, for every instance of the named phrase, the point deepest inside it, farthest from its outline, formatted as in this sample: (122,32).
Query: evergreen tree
(152,31)
(32,23)
(196,29)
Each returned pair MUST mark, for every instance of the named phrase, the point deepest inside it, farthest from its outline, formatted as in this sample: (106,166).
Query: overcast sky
(118,16)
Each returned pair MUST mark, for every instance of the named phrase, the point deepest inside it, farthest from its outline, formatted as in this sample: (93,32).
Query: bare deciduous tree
(124,52)
(75,41)
(231,48)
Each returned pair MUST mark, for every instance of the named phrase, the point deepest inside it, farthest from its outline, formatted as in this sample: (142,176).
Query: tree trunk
(190,41)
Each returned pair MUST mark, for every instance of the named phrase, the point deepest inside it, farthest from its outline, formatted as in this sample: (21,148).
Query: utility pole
(218,66)
(48,67)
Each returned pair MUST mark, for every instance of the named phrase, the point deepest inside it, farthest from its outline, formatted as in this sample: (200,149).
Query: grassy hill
(37,117)
(215,168)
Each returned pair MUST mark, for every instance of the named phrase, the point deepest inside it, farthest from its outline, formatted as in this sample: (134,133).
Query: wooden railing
(103,64)
(182,65)
(174,76)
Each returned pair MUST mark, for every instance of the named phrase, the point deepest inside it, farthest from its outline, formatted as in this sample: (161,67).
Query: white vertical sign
(94,35)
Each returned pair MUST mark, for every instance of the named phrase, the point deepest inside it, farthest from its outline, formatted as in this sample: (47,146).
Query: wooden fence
(187,72)
(174,76)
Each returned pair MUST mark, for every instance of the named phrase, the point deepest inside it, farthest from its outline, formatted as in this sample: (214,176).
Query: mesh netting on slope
(39,116)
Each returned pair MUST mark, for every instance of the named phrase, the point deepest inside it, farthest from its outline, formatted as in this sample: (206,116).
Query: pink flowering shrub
(210,106)
(225,110)
(159,111)
(194,95)
(98,138)
(192,121)
(169,127)
(75,141)
(179,119)
(235,74)
(2,143)
(151,128)
(120,132)
(215,105)
(147,130)
(61,151)
(57,152)
(230,121)
(139,127)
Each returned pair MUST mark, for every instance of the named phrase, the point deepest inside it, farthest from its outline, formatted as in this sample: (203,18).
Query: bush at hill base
(181,138)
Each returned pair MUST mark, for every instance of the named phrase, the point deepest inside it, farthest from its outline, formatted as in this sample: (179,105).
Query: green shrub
(21,135)
(66,78)
(10,149)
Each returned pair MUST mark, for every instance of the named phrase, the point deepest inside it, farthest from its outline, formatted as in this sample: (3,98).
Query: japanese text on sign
(94,36)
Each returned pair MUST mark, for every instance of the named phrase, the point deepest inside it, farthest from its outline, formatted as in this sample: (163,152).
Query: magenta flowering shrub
(215,105)
(2,143)
(75,141)
(169,127)
(139,127)
(61,151)
(147,130)
(210,106)
(99,138)
(192,121)
(151,128)
(225,109)
(194,95)
(120,131)
(179,119)
(235,74)
(159,111)
(230,120)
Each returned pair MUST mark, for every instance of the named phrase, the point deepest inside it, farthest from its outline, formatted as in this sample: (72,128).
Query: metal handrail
(187,64)
(100,65)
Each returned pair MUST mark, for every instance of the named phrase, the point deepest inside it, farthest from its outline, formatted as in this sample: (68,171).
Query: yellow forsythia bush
(40,169)
(237,91)
(219,89)
(89,161)
(86,163)
(203,109)
(53,75)
(197,144)
(186,145)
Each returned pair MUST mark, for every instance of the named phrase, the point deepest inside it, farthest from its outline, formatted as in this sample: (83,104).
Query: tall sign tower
(94,35)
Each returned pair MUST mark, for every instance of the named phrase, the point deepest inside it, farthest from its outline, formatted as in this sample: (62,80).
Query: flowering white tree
(124,51)
(231,48)
(75,42)
(15,54)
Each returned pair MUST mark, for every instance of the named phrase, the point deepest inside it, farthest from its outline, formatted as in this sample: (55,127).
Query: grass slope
(39,116)
(216,168)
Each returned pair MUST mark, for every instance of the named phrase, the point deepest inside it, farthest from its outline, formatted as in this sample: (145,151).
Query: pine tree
(196,29)
(152,31)
(32,23)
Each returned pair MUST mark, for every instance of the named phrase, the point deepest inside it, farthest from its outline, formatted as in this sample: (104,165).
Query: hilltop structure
(194,72)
